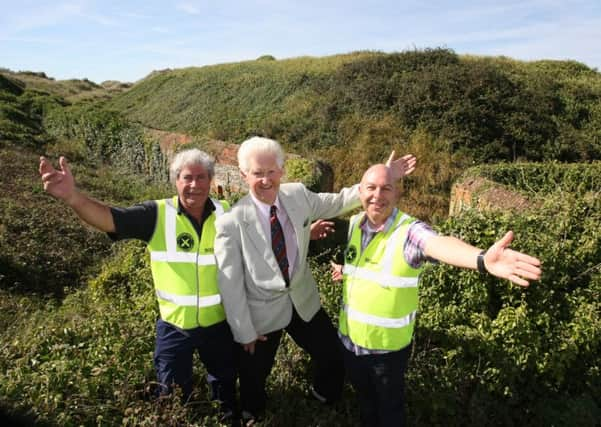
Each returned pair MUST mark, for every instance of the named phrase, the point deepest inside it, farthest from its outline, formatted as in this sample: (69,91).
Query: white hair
(192,156)
(259,145)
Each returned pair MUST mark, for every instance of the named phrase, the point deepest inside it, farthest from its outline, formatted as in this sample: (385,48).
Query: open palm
(402,166)
(58,183)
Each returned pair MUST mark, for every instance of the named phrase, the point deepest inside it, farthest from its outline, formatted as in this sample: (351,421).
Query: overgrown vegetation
(485,352)
(350,110)
(543,178)
(77,313)
(72,91)
(494,354)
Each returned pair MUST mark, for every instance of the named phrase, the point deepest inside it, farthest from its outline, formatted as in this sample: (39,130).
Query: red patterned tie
(278,243)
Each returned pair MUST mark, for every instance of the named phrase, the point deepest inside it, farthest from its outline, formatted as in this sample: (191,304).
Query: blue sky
(126,40)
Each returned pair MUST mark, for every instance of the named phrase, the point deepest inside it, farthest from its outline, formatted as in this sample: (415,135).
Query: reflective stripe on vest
(385,322)
(384,277)
(171,254)
(380,277)
(189,300)
(380,289)
(185,279)
(182,257)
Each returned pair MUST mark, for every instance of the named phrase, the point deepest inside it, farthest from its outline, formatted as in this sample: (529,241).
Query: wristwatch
(480,262)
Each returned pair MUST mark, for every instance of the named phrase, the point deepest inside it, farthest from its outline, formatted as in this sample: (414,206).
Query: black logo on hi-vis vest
(185,241)
(350,253)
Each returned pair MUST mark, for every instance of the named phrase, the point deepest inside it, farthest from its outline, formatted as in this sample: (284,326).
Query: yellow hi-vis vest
(379,288)
(185,270)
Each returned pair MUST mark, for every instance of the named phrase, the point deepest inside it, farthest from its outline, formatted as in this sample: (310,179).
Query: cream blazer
(252,287)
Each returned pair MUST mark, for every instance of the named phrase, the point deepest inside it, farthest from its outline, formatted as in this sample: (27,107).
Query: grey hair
(192,156)
(258,144)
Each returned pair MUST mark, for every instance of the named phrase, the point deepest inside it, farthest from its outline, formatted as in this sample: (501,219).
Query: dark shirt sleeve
(136,222)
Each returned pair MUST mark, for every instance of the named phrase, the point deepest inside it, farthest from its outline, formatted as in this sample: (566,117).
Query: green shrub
(305,171)
(493,353)
(536,179)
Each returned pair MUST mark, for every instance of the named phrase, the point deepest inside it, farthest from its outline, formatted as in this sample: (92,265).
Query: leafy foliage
(95,134)
(496,354)
(72,90)
(351,110)
(21,114)
(305,171)
(77,314)
(43,246)
(543,178)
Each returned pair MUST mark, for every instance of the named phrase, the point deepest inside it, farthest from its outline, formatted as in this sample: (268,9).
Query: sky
(126,40)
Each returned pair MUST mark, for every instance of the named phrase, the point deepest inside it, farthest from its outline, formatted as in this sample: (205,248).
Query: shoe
(318,396)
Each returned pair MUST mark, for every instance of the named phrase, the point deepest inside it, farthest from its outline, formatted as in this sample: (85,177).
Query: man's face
(263,177)
(377,194)
(193,185)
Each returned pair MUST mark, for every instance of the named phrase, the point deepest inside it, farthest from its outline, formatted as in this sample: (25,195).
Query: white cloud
(151,34)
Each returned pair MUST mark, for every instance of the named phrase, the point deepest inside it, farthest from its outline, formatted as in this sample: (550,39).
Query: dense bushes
(95,134)
(43,247)
(495,354)
(543,178)
(85,360)
(351,110)
(492,109)
(21,114)
(485,352)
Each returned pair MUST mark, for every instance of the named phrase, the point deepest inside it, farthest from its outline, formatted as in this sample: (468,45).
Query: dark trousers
(215,346)
(317,337)
(379,380)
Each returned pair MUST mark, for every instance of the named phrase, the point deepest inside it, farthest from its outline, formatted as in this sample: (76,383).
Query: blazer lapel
(296,214)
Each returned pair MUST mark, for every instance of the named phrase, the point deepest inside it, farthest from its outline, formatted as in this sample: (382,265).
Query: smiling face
(193,185)
(263,176)
(378,194)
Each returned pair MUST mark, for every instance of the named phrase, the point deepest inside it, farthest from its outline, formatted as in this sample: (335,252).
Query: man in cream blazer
(260,302)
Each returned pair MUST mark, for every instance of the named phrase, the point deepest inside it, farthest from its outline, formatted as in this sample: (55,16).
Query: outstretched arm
(499,260)
(60,184)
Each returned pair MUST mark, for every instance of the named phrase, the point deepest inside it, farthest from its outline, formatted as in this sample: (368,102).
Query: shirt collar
(264,207)
(364,226)
(208,208)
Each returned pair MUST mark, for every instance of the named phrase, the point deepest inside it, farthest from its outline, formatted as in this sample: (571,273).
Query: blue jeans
(379,380)
(215,346)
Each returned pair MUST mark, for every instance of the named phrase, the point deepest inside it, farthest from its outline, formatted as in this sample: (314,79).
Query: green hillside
(72,90)
(351,110)
(355,106)
(26,98)
(77,312)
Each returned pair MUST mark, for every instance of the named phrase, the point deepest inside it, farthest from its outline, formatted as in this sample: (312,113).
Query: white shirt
(287,228)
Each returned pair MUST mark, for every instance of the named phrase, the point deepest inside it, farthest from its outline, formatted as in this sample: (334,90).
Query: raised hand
(321,228)
(61,184)
(58,183)
(402,166)
(506,263)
